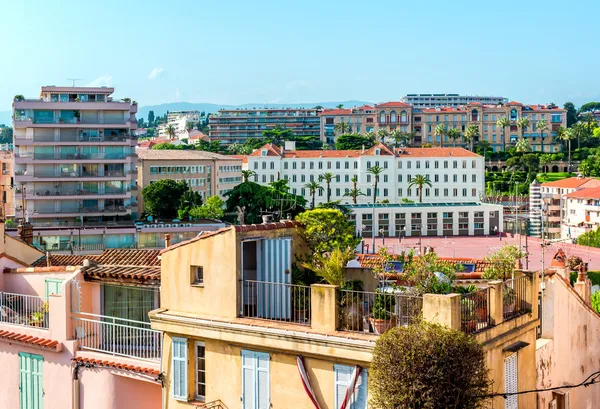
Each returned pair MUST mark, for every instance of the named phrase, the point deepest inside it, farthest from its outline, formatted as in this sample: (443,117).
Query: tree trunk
(328,193)
(569,169)
(420,194)
(504,138)
(542,135)
(313,197)
(374,194)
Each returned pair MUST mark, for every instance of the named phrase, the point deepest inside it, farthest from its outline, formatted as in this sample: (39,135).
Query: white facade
(582,213)
(428,219)
(456,175)
(449,100)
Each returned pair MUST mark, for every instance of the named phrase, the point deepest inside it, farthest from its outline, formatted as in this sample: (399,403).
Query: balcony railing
(376,312)
(73,156)
(117,336)
(79,192)
(26,310)
(276,301)
(514,298)
(475,311)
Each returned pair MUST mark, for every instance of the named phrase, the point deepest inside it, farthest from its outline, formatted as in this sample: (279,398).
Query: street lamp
(381,232)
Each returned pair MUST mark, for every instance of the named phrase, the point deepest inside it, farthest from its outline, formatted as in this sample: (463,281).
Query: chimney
(48,261)
(289,146)
(25,231)
(583,285)
(167,240)
(363,148)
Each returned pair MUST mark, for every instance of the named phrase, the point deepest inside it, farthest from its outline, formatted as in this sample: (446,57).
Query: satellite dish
(149,218)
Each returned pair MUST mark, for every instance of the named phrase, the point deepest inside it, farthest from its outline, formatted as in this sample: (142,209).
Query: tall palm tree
(189,126)
(545,159)
(247,174)
(589,119)
(372,136)
(355,192)
(382,133)
(341,128)
(454,134)
(419,181)
(170,131)
(313,187)
(523,123)
(579,131)
(471,133)
(441,131)
(502,123)
(327,177)
(523,146)
(542,127)
(397,135)
(567,135)
(410,137)
(375,171)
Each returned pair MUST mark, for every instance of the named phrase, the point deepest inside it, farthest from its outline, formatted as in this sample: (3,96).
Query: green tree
(328,178)
(502,123)
(454,134)
(6,134)
(375,171)
(571,113)
(247,174)
(352,142)
(212,209)
(19,97)
(590,123)
(330,266)
(277,135)
(355,192)
(372,137)
(523,146)
(189,126)
(212,146)
(430,366)
(189,200)
(151,118)
(542,127)
(339,106)
(397,135)
(567,135)
(341,128)
(312,188)
(165,146)
(545,159)
(523,123)
(441,131)
(471,133)
(162,198)
(588,107)
(419,181)
(325,230)
(382,133)
(502,262)
(170,131)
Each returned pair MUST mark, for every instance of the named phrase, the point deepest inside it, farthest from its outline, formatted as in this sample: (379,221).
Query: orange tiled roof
(272,150)
(118,365)
(383,150)
(393,104)
(136,273)
(587,193)
(437,153)
(569,183)
(29,340)
(62,260)
(129,257)
(337,111)
(514,103)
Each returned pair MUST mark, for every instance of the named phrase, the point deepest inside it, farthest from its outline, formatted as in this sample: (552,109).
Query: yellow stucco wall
(224,377)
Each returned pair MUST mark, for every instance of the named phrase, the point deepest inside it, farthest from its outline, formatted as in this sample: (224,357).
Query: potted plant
(352,313)
(469,324)
(381,319)
(508,299)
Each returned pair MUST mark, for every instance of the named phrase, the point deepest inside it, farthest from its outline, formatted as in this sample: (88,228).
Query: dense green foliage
(590,238)
(212,209)
(6,134)
(596,301)
(163,198)
(213,146)
(330,266)
(327,229)
(189,199)
(502,262)
(428,366)
(505,182)
(353,142)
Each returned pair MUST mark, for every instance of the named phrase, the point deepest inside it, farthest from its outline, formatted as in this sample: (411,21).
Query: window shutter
(360,393)
(263,380)
(179,352)
(343,375)
(510,381)
(248,380)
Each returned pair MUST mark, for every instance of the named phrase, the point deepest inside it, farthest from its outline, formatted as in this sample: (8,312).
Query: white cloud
(155,73)
(105,80)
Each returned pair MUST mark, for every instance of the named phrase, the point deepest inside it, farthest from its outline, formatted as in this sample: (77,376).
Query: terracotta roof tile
(29,340)
(437,153)
(172,154)
(414,152)
(129,257)
(117,365)
(514,103)
(393,104)
(336,112)
(272,150)
(586,193)
(374,260)
(136,273)
(62,260)
(571,183)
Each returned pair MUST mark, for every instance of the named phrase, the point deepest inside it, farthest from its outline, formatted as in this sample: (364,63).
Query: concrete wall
(569,350)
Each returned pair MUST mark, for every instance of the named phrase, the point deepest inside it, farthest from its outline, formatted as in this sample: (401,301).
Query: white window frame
(197,382)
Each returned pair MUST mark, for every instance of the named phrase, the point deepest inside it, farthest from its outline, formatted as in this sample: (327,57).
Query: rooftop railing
(514,298)
(276,301)
(25,310)
(475,311)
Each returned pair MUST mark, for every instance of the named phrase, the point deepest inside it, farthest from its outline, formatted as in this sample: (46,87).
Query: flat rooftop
(413,205)
(77,90)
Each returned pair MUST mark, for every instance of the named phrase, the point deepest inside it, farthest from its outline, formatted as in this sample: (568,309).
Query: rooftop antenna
(74,79)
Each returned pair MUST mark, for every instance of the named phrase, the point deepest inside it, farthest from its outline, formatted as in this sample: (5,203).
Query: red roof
(587,193)
(337,111)
(29,340)
(118,365)
(572,183)
(514,103)
(272,150)
(393,104)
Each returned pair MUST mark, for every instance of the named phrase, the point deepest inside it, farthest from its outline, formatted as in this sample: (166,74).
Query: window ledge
(198,403)
(198,285)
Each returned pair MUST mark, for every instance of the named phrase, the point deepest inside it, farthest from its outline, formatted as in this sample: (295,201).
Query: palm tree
(545,159)
(382,133)
(339,106)
(578,132)
(454,134)
(247,174)
(471,133)
(397,135)
(313,187)
(441,131)
(189,126)
(410,137)
(523,146)
(355,192)
(375,171)
(420,181)
(372,136)
(542,126)
(502,123)
(327,177)
(523,123)
(170,131)
(589,119)
(341,128)
(567,135)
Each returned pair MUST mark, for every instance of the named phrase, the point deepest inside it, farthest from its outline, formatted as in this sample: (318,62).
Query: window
(312,165)
(385,192)
(256,165)
(455,178)
(343,378)
(400,192)
(464,164)
(385,178)
(53,286)
(473,178)
(455,164)
(200,371)
(31,381)
(197,275)
(180,369)
(436,192)
(473,164)
(346,178)
(264,165)
(445,164)
(294,165)
(415,215)
(418,164)
(329,165)
(399,178)
(293,178)
(320,165)
(346,165)
(285,165)
(445,178)
(408,164)
(432,215)
(447,215)
(264,178)
(255,380)
(464,192)
(473,192)
(302,178)
(445,192)
(464,178)
(436,178)
(368,178)
(464,215)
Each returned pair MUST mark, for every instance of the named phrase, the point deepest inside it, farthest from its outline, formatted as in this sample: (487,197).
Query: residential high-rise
(449,100)
(237,125)
(75,159)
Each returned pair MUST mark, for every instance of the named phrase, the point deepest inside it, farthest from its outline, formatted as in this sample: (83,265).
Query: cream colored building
(582,212)
(7,161)
(205,172)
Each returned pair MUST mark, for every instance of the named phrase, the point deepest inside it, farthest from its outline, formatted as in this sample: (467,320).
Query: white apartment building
(548,206)
(456,174)
(582,212)
(75,156)
(450,100)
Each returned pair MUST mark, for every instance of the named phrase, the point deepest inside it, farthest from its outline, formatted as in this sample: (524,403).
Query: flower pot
(380,326)
(470,326)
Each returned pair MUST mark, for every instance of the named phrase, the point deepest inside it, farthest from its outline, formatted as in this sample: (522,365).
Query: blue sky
(240,51)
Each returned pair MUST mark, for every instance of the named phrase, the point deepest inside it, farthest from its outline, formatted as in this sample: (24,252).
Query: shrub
(429,366)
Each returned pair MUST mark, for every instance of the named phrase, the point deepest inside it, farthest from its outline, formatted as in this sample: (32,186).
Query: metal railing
(26,310)
(276,301)
(376,312)
(117,336)
(514,298)
(475,311)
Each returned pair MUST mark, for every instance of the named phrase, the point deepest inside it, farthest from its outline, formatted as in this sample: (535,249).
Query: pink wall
(569,350)
(30,283)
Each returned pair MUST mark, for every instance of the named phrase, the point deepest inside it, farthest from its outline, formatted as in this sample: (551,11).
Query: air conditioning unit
(189,225)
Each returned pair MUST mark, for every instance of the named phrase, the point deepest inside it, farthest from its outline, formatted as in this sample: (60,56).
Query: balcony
(24,310)
(47,194)
(276,301)
(76,156)
(117,336)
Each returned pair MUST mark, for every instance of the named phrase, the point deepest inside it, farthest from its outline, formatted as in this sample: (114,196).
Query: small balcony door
(31,385)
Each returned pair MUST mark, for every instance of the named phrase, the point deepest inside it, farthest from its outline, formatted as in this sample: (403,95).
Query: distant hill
(207,107)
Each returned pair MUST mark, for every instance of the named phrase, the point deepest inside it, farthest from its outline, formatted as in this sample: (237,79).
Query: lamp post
(381,232)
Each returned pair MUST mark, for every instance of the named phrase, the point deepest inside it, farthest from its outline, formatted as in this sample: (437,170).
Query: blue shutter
(263,400)
(274,301)
(343,376)
(248,367)
(256,389)
(179,378)
(31,381)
